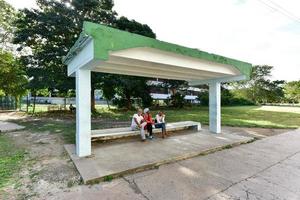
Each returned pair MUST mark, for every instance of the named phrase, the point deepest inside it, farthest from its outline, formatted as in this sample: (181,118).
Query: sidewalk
(266,169)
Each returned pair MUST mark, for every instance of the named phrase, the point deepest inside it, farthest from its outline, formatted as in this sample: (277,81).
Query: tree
(12,77)
(51,31)
(177,100)
(292,91)
(203,97)
(174,85)
(134,27)
(228,97)
(275,92)
(126,88)
(260,88)
(258,82)
(7,16)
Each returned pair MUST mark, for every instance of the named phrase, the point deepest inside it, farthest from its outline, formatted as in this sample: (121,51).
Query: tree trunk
(27,102)
(34,99)
(128,99)
(65,103)
(16,102)
(93,103)
(108,104)
(173,91)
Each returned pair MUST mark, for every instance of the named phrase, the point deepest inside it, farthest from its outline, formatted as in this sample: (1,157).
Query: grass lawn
(11,158)
(242,116)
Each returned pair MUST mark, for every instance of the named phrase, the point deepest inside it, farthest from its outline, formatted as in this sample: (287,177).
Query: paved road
(266,169)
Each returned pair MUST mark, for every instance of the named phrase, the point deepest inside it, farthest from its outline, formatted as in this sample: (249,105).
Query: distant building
(158,92)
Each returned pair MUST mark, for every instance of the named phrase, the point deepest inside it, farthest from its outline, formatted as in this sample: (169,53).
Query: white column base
(83,113)
(215,107)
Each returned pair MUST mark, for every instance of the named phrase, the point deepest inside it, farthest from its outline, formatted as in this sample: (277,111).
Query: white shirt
(160,119)
(138,119)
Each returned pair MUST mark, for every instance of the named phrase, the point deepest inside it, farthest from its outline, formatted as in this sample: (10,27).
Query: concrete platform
(110,160)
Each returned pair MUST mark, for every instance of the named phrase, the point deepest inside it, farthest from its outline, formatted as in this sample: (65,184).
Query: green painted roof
(108,39)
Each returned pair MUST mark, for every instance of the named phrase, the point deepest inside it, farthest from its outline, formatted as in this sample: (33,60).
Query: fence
(46,104)
(7,103)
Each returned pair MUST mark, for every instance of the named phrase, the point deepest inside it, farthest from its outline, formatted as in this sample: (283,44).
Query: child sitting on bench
(160,123)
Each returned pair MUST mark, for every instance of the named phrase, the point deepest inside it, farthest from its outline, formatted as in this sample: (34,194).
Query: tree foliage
(174,85)
(292,91)
(123,89)
(12,76)
(228,98)
(128,87)
(50,32)
(260,89)
(177,100)
(52,29)
(7,16)
(134,27)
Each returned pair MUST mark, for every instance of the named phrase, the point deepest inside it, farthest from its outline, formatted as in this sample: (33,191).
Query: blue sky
(247,30)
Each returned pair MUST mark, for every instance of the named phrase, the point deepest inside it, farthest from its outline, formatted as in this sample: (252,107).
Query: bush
(227,99)
(147,100)
(240,102)
(203,97)
(121,102)
(177,100)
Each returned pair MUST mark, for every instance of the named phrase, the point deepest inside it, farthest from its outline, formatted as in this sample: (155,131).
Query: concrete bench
(115,133)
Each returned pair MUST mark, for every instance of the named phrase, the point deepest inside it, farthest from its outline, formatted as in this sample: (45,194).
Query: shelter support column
(83,112)
(215,107)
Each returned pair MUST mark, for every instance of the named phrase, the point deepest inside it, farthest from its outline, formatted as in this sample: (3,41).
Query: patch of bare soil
(13,115)
(47,169)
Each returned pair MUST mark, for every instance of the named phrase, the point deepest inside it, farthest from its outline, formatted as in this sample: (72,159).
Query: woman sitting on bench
(160,123)
(138,123)
(150,122)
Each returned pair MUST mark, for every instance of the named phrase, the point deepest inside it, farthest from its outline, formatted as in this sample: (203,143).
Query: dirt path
(46,169)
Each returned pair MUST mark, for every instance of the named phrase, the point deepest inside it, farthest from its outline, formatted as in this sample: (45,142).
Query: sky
(256,31)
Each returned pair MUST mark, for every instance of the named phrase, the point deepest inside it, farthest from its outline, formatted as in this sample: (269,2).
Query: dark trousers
(149,129)
(162,126)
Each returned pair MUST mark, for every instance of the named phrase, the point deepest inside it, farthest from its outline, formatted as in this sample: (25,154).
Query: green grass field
(11,158)
(244,116)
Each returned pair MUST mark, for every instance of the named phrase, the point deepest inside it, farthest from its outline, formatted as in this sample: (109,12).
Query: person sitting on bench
(150,122)
(160,123)
(138,123)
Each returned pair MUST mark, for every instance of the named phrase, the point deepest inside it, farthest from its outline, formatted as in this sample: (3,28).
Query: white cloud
(243,29)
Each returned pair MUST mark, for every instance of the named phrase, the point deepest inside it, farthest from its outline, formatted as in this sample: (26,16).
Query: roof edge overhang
(107,39)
